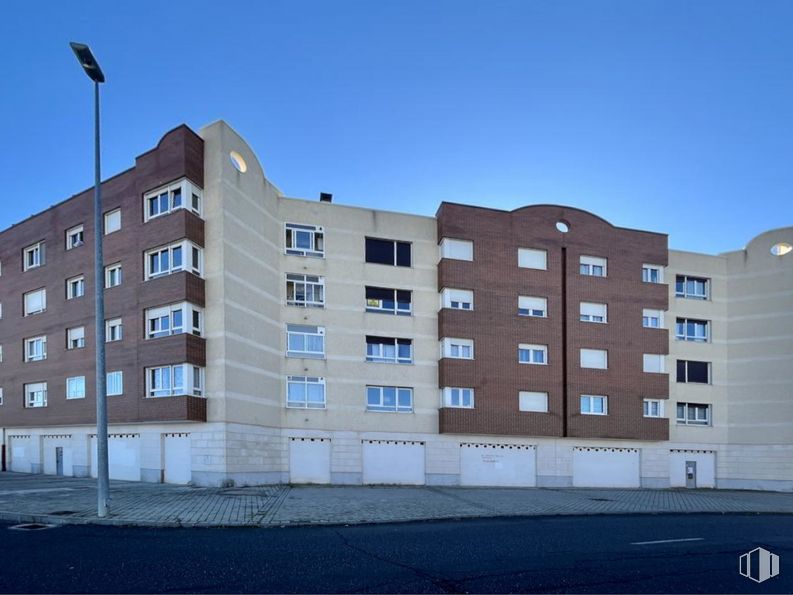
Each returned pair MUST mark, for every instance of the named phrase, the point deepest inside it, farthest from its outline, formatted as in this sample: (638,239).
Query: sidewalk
(48,499)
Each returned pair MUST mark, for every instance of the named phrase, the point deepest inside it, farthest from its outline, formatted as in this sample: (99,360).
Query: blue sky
(672,116)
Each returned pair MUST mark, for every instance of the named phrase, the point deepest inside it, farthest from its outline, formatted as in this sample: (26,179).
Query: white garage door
(705,468)
(309,460)
(393,462)
(123,453)
(606,467)
(21,451)
(497,465)
(176,458)
(57,451)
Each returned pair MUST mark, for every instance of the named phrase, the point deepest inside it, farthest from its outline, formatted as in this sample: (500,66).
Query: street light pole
(91,68)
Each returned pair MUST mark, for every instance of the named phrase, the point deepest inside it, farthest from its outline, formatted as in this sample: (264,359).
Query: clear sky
(672,116)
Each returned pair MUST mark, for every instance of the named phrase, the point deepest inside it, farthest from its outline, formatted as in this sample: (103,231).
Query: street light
(91,68)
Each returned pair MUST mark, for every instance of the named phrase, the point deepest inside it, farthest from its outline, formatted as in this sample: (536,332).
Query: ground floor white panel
(176,458)
(488,464)
(20,450)
(56,451)
(393,462)
(691,468)
(123,455)
(606,467)
(309,460)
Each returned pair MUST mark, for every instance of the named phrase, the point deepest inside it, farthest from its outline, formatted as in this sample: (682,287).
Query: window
(533,401)
(179,379)
(652,273)
(689,329)
(457,249)
(594,358)
(115,383)
(532,354)
(75,237)
(174,319)
(389,399)
(112,221)
(389,350)
(1,354)
(457,299)
(591,312)
(457,348)
(693,414)
(306,392)
(388,301)
(33,256)
(594,405)
(458,397)
(1,396)
(305,341)
(179,195)
(695,288)
(36,394)
(653,408)
(529,258)
(305,240)
(532,306)
(176,257)
(75,337)
(35,349)
(652,318)
(305,290)
(593,266)
(35,302)
(654,363)
(113,275)
(389,252)
(114,330)
(693,372)
(75,387)
(75,287)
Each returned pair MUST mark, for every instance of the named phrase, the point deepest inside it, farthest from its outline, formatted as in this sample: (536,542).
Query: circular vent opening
(563,226)
(781,249)
(238,162)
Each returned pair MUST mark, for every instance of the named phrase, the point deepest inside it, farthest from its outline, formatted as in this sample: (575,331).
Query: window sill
(305,356)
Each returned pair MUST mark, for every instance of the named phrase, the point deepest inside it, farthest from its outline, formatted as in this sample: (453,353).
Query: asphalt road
(594,554)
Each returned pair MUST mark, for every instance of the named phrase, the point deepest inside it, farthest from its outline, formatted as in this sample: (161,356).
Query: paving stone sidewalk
(40,498)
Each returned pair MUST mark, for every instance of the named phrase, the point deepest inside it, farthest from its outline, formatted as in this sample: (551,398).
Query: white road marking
(667,541)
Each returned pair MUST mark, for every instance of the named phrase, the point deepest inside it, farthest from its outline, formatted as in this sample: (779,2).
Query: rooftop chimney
(325,197)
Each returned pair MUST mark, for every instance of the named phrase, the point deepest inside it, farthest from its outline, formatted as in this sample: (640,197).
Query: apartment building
(254,338)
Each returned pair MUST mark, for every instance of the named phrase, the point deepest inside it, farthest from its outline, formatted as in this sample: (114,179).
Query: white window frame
(40,353)
(692,296)
(306,381)
(529,258)
(377,305)
(590,354)
(191,386)
(43,308)
(77,281)
(36,250)
(316,283)
(1,396)
(456,348)
(70,394)
(186,188)
(532,351)
(591,399)
(78,340)
(686,362)
(395,253)
(379,350)
(305,331)
(316,236)
(532,306)
(113,272)
(110,325)
(654,363)
(652,270)
(382,407)
(37,389)
(526,398)
(109,382)
(192,259)
(457,299)
(649,404)
(697,421)
(108,217)
(593,317)
(593,266)
(457,397)
(455,249)
(684,336)
(75,237)
(649,315)
(168,312)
